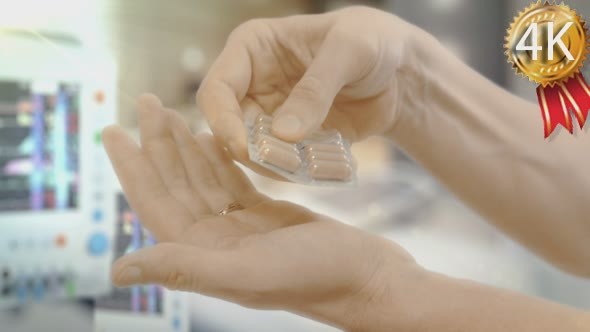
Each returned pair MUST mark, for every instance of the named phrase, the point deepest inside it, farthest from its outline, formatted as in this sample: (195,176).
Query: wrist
(387,304)
(421,59)
(381,300)
(378,299)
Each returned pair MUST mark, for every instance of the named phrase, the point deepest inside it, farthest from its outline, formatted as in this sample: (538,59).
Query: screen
(39,160)
(130,236)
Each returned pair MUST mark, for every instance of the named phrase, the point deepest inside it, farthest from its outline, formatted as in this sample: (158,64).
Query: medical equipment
(138,308)
(56,199)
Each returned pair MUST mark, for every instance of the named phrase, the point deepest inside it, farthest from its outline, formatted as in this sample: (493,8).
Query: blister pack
(323,158)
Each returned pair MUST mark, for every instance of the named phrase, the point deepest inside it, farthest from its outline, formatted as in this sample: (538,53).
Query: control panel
(57,201)
(138,308)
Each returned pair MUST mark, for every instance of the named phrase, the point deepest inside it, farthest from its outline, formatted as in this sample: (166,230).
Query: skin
(178,182)
(365,73)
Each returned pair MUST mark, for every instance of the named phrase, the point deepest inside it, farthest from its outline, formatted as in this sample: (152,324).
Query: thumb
(310,100)
(180,267)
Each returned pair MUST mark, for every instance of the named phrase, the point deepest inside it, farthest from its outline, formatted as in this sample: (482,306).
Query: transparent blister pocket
(324,158)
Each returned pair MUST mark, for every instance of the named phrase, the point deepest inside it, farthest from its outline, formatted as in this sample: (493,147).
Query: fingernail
(130,274)
(287,125)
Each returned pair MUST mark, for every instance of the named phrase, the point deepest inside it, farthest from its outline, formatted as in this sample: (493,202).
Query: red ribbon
(557,101)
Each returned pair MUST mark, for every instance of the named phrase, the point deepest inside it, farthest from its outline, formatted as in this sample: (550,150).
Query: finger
(218,97)
(176,266)
(229,175)
(200,172)
(165,217)
(158,145)
(157,142)
(250,109)
(308,104)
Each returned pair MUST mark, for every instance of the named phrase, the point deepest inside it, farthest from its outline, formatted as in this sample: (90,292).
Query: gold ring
(235,206)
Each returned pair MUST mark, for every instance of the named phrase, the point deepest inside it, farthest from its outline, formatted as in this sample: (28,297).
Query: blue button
(176,323)
(39,290)
(21,290)
(98,244)
(97,215)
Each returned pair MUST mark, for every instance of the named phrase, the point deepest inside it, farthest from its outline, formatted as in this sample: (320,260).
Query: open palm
(271,254)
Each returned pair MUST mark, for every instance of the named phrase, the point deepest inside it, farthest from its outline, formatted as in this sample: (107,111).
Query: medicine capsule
(330,170)
(279,157)
(273,141)
(321,158)
(263,118)
(260,129)
(326,136)
(324,147)
(330,156)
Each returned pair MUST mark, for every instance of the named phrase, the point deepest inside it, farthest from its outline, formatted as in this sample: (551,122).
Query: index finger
(220,94)
(144,188)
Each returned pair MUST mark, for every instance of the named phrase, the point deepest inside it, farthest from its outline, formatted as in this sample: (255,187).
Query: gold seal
(548,43)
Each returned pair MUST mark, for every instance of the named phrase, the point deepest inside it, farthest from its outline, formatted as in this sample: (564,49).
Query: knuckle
(247,27)
(360,55)
(357,10)
(310,88)
(175,280)
(363,47)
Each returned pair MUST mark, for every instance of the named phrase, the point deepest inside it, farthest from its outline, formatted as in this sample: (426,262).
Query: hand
(337,70)
(271,254)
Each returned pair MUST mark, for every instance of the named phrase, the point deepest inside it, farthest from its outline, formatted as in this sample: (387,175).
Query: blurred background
(69,67)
